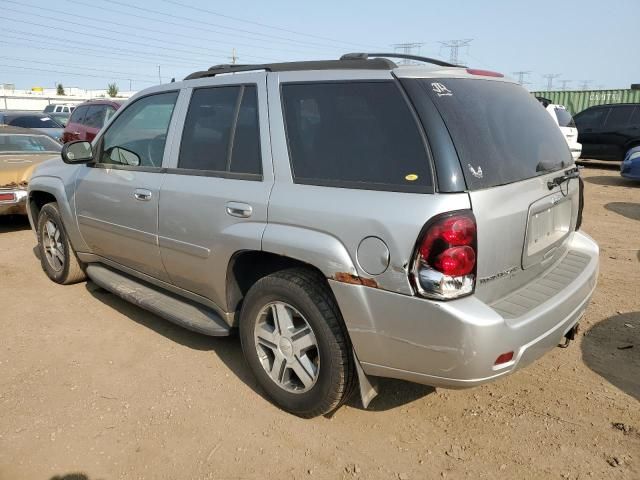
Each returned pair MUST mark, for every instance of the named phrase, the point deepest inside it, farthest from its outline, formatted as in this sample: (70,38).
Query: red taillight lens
(484,73)
(445,260)
(7,197)
(456,261)
(504,358)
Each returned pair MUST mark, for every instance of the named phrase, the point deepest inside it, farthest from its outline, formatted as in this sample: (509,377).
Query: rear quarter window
(564,118)
(356,134)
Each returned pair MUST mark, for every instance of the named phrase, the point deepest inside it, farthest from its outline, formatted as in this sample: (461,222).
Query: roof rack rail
(367,56)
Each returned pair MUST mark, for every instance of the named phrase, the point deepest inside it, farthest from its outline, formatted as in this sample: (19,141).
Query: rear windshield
(499,130)
(12,143)
(34,121)
(564,118)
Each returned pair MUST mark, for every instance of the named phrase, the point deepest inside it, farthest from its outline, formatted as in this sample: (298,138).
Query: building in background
(38,97)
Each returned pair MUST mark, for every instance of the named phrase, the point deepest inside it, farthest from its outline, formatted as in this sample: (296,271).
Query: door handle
(142,194)
(237,209)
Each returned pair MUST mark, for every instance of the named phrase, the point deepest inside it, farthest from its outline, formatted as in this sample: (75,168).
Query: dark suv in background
(608,132)
(88,118)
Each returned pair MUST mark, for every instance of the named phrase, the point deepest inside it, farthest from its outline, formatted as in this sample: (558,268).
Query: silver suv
(351,218)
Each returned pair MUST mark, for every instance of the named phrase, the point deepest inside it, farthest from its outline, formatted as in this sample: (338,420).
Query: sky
(90,43)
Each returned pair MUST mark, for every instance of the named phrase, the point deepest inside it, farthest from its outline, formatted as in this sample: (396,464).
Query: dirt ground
(94,388)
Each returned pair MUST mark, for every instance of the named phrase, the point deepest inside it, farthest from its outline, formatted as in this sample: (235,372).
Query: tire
(307,300)
(57,257)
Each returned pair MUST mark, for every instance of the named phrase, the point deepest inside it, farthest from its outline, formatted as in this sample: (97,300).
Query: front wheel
(56,253)
(295,343)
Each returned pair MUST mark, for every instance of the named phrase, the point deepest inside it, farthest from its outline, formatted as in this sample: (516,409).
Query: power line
(585,84)
(263,24)
(90,51)
(550,77)
(73,66)
(454,46)
(521,75)
(108,47)
(565,83)
(137,27)
(128,41)
(70,73)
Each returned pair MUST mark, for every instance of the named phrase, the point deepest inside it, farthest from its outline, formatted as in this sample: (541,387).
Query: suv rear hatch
(509,149)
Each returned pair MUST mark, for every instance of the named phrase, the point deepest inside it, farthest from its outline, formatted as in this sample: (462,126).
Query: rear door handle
(142,194)
(238,209)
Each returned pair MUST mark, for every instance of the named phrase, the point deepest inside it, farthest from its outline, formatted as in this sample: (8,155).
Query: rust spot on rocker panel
(355,280)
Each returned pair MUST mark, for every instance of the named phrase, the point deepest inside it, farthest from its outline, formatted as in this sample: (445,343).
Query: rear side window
(78,115)
(356,135)
(620,117)
(564,118)
(221,131)
(499,131)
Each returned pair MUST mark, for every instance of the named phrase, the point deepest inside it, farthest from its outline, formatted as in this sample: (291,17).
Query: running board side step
(187,314)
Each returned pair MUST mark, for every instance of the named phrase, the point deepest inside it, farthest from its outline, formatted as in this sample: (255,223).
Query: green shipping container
(578,100)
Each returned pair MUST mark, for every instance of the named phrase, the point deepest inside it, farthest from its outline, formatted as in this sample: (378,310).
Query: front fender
(64,195)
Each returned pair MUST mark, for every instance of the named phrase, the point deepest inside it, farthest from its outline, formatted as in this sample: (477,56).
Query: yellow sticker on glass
(412,177)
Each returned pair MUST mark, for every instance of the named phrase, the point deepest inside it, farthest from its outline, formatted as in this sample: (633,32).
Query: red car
(88,118)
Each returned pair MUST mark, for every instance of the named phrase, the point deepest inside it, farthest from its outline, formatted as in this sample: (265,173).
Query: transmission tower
(411,48)
(454,46)
(550,77)
(521,75)
(565,83)
(584,84)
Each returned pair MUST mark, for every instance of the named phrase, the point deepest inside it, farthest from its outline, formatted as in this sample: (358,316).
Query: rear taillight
(484,73)
(7,197)
(444,264)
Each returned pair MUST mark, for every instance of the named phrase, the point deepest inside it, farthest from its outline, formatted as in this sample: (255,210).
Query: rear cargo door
(509,148)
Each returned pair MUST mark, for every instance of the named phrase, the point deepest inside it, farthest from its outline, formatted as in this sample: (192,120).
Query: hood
(16,169)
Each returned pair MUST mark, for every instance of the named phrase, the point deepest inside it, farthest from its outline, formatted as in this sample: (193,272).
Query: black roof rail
(367,56)
(342,64)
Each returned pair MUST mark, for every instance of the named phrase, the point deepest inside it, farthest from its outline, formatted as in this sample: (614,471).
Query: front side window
(358,134)
(78,115)
(95,116)
(221,132)
(138,136)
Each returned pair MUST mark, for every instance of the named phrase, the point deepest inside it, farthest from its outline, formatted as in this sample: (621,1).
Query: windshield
(500,133)
(12,143)
(34,121)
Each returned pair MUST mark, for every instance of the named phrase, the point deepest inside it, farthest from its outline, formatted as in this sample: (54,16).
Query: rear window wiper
(568,175)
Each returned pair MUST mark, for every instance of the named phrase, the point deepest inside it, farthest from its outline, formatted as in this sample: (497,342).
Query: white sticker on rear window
(441,90)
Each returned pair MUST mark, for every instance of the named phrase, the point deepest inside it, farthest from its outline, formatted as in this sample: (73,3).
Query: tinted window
(245,155)
(357,134)
(78,115)
(591,118)
(34,121)
(499,130)
(95,116)
(139,134)
(49,108)
(28,143)
(619,117)
(209,131)
(564,118)
(635,118)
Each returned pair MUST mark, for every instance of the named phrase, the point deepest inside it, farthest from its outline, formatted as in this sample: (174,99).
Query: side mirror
(77,152)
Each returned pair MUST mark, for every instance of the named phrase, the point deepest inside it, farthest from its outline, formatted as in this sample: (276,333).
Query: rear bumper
(455,344)
(17,205)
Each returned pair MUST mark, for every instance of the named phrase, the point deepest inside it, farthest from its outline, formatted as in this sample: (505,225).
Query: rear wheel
(56,253)
(295,343)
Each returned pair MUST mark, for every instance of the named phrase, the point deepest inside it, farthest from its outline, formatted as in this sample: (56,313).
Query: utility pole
(550,77)
(584,85)
(565,83)
(407,49)
(234,58)
(130,88)
(159,77)
(521,74)
(454,47)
